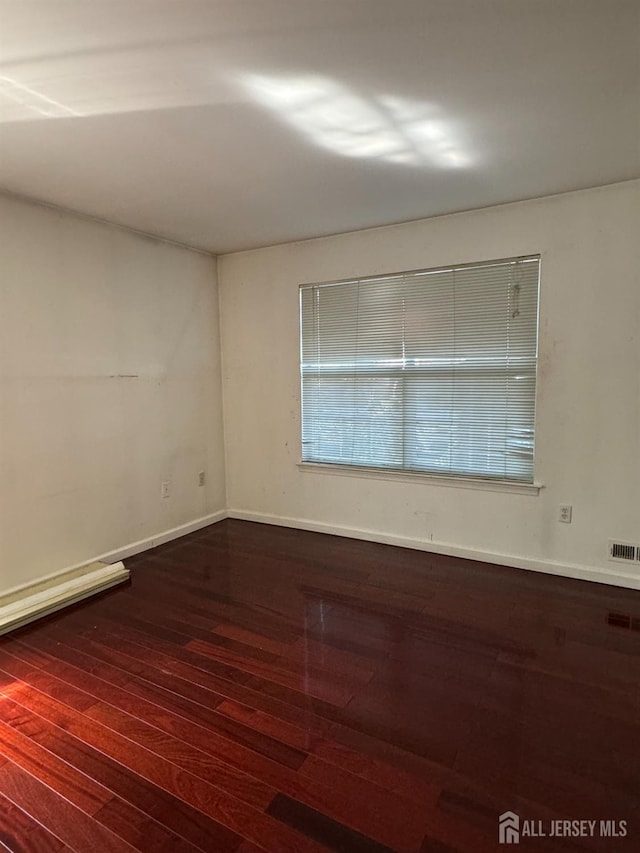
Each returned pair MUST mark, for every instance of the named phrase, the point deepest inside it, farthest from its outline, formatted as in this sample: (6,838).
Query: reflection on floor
(259,688)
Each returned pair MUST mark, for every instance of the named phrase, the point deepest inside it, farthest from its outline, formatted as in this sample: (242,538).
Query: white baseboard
(21,605)
(126,550)
(568,570)
(105,570)
(161,538)
(44,597)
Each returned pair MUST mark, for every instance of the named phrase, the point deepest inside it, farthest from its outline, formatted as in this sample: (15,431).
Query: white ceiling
(229,125)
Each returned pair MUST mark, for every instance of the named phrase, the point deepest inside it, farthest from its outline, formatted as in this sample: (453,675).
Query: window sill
(426,479)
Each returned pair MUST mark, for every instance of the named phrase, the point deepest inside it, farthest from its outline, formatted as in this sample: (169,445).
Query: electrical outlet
(564,513)
(165,488)
(201,478)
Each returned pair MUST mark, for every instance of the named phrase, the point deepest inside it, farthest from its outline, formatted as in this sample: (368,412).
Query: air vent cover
(623,620)
(624,552)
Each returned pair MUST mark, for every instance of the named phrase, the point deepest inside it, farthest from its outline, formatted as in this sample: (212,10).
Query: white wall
(109,384)
(588,409)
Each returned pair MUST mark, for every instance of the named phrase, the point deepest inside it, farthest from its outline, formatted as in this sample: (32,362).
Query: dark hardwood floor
(262,689)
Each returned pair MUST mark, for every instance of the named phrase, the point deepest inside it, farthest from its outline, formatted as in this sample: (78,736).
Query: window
(429,371)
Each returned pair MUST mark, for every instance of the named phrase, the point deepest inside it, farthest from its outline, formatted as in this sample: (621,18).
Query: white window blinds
(430,371)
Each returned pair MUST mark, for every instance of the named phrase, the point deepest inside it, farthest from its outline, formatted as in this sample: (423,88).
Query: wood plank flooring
(261,689)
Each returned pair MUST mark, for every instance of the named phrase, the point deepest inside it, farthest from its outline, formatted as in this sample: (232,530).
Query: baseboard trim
(42,598)
(568,570)
(166,536)
(23,604)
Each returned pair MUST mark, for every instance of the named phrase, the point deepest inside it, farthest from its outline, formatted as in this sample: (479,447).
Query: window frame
(434,477)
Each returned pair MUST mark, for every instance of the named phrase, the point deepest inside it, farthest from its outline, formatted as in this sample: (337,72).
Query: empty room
(319,426)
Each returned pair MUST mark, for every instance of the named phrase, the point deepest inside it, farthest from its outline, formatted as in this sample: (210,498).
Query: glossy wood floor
(259,688)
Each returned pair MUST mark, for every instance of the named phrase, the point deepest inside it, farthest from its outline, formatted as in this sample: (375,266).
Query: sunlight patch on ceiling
(335,117)
(25,102)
